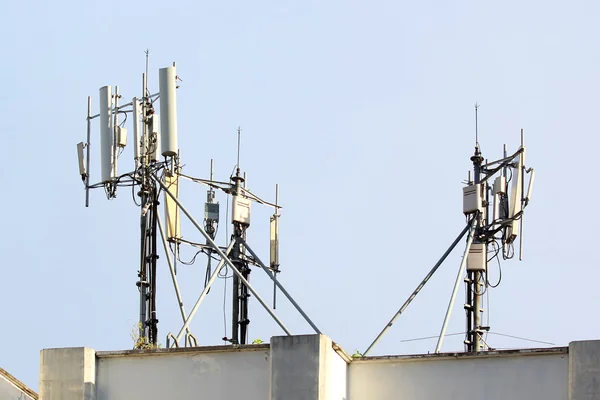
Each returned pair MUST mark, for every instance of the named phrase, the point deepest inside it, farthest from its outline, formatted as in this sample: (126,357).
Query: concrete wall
(584,370)
(307,367)
(336,371)
(184,375)
(517,376)
(68,374)
(12,389)
(311,367)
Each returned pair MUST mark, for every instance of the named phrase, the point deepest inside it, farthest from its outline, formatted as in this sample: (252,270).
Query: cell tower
(494,199)
(157,170)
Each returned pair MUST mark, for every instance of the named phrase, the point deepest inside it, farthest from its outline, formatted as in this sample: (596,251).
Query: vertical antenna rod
(474,278)
(522,172)
(147,52)
(275,245)
(476,126)
(87,157)
(239,132)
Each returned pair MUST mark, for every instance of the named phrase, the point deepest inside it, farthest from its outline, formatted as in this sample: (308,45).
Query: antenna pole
(522,195)
(474,303)
(87,156)
(275,250)
(115,125)
(476,126)
(148,230)
(239,132)
(240,295)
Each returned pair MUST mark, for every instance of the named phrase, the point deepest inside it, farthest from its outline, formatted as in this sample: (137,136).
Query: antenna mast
(157,170)
(148,193)
(494,214)
(476,271)
(241,221)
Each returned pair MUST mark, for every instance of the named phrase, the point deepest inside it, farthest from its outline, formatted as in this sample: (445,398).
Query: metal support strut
(418,289)
(223,256)
(459,276)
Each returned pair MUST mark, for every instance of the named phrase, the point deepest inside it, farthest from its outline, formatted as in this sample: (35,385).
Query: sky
(362,112)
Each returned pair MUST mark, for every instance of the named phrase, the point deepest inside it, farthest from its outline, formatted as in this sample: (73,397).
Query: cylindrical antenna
(136,132)
(211,169)
(106,134)
(168,110)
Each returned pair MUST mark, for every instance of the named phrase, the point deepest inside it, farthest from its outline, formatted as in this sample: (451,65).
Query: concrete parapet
(584,370)
(68,374)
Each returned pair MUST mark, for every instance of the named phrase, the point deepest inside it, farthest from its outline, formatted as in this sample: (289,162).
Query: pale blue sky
(361,111)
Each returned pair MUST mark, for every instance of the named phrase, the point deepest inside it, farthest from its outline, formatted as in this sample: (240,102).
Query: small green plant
(356,354)
(141,342)
(257,341)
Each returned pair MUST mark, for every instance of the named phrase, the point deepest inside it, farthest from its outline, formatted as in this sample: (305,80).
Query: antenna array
(157,171)
(494,199)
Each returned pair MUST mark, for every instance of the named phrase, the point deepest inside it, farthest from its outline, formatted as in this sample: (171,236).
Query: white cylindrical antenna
(136,131)
(106,135)
(168,110)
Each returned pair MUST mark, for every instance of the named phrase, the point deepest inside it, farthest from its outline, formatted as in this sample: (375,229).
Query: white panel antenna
(171,208)
(516,197)
(168,109)
(274,241)
(107,172)
(81,159)
(136,131)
